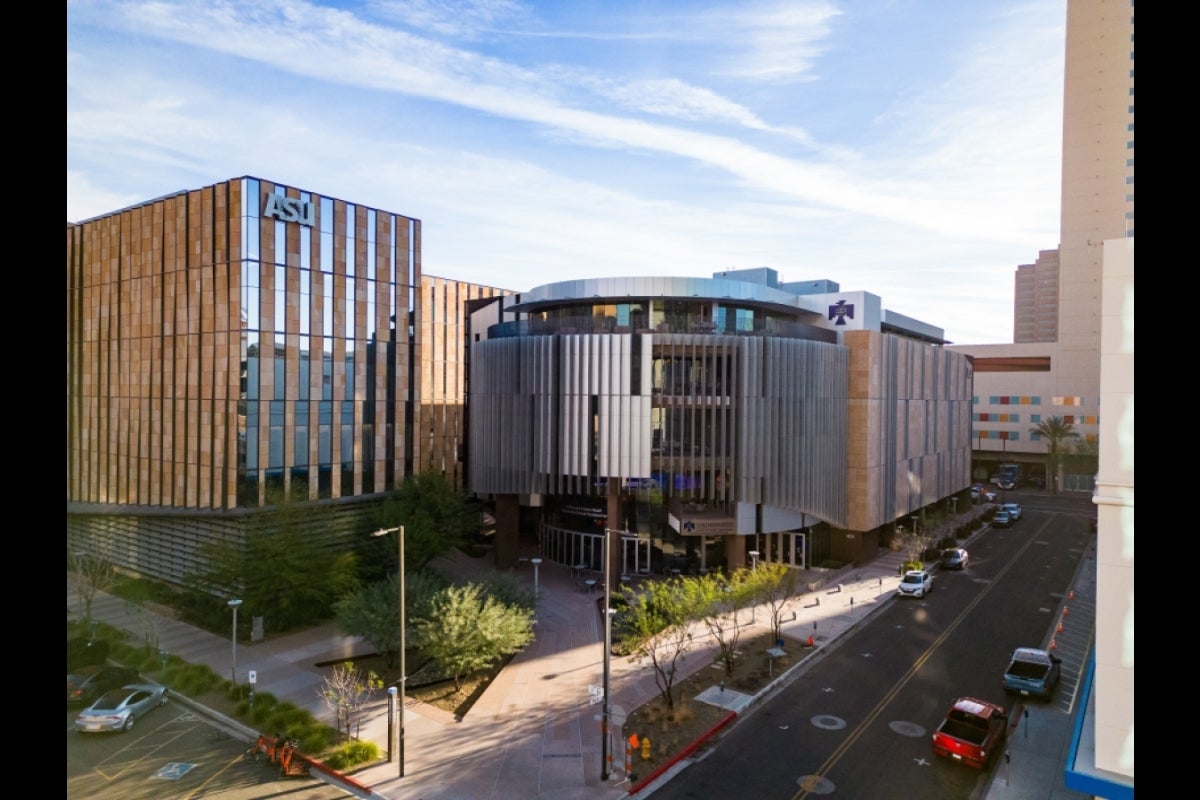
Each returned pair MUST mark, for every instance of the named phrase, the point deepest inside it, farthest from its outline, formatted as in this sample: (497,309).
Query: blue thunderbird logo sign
(841,311)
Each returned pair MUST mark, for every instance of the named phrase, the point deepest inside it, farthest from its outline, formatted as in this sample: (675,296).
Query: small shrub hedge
(352,754)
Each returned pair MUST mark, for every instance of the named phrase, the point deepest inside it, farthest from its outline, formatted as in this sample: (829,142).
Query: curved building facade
(708,421)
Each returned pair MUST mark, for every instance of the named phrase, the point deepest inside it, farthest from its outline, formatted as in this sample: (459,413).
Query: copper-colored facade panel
(160,412)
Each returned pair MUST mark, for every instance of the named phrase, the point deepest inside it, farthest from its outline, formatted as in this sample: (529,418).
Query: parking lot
(175,753)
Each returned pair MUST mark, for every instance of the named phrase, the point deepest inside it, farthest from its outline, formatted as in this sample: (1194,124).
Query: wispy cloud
(589,131)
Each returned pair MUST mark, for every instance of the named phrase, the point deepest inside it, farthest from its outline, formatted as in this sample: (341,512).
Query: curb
(318,769)
(682,754)
(677,762)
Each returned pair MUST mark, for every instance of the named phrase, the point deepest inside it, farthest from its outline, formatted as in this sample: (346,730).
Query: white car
(1013,509)
(915,583)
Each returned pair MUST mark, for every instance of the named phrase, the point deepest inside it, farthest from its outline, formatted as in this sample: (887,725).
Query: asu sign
(287,209)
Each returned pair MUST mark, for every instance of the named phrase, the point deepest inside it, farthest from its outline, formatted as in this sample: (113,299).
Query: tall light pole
(403,676)
(234,603)
(608,612)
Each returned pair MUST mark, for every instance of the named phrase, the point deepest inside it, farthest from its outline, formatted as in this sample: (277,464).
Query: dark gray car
(954,558)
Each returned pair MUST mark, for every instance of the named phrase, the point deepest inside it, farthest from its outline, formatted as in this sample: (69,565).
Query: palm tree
(1054,430)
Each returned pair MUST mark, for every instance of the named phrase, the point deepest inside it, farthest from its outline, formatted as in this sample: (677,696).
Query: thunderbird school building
(710,422)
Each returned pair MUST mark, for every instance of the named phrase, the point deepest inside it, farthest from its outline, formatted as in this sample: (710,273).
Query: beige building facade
(1085,375)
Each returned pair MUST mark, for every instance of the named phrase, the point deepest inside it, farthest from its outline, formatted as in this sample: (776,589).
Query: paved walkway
(535,732)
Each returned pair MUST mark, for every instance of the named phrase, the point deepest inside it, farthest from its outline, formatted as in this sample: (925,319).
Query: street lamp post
(754,554)
(403,676)
(608,612)
(234,603)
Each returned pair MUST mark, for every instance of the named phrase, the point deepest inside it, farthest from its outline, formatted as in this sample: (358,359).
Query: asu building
(241,346)
(710,422)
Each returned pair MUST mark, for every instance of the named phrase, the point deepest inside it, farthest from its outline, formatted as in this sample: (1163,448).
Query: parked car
(1013,509)
(87,683)
(954,558)
(973,732)
(118,709)
(915,583)
(1002,520)
(1032,671)
(984,493)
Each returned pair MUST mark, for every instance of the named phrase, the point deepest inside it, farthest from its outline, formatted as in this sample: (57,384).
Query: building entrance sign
(289,209)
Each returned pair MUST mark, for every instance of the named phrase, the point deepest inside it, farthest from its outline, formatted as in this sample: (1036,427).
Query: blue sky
(908,148)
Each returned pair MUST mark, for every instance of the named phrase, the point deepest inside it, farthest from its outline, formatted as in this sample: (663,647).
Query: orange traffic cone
(810,642)
(1060,627)
(1071,595)
(1053,644)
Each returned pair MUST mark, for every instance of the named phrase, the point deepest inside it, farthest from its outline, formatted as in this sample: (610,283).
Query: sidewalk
(535,732)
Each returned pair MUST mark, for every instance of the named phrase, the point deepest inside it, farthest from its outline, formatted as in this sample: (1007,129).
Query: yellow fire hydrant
(645,748)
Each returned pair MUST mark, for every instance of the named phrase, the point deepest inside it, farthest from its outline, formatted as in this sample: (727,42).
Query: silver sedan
(118,709)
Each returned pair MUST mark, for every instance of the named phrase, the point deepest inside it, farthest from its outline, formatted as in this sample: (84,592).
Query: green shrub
(907,565)
(191,679)
(316,737)
(352,754)
(288,718)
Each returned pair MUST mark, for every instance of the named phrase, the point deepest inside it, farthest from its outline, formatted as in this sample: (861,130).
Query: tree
(437,518)
(88,575)
(776,584)
(346,689)
(467,630)
(373,611)
(722,600)
(915,544)
(284,575)
(1055,431)
(146,621)
(657,624)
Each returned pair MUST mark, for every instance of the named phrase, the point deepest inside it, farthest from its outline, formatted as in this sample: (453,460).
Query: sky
(907,148)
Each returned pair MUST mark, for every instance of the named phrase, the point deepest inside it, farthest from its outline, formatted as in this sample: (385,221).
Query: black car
(88,683)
